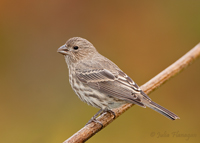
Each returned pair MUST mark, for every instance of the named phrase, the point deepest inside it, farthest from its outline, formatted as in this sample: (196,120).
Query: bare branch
(88,131)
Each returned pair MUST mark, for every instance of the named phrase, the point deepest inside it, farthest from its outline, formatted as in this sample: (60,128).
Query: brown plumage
(101,83)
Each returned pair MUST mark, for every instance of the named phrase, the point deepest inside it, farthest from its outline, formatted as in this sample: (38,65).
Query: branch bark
(91,129)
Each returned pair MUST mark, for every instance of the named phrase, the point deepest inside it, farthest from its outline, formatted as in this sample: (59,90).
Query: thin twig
(88,131)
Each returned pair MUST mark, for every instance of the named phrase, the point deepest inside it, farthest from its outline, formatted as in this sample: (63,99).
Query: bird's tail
(162,110)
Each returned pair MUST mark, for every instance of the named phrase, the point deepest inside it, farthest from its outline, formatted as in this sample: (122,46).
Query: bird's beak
(63,50)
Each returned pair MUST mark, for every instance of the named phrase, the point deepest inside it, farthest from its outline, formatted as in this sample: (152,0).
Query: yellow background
(37,104)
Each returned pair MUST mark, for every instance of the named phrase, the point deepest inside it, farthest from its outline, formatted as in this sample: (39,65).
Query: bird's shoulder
(97,63)
(96,69)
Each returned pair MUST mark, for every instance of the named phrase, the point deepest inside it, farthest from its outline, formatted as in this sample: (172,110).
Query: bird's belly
(99,100)
(94,97)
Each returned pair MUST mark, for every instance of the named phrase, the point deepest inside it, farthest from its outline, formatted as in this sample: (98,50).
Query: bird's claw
(94,120)
(111,112)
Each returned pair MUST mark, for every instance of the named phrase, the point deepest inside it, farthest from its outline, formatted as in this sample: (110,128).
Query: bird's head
(76,49)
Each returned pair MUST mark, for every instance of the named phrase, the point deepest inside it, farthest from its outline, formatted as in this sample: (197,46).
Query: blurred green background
(142,37)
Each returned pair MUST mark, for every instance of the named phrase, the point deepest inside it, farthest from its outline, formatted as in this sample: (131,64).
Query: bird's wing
(118,86)
(98,75)
(125,79)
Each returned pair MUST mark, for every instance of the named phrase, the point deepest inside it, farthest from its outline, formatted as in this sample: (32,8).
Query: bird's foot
(110,111)
(94,120)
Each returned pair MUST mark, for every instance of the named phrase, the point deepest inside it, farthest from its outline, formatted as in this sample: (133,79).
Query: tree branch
(91,129)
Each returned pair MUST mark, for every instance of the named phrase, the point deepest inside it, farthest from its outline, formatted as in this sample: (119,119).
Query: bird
(99,82)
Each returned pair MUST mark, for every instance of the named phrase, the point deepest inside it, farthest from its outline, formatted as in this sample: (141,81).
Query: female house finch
(101,83)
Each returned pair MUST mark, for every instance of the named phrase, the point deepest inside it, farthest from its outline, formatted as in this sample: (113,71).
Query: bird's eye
(75,47)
